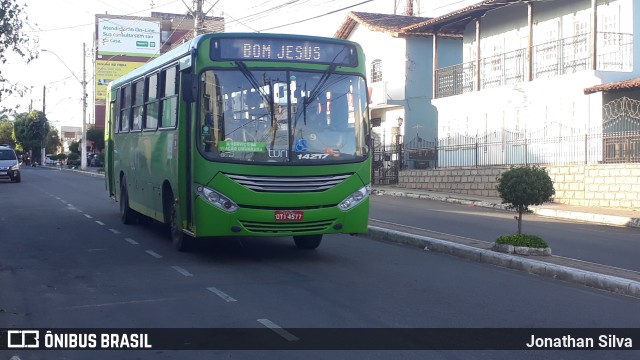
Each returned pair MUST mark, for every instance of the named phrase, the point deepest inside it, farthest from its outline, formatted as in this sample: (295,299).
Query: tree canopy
(96,135)
(52,141)
(6,132)
(523,186)
(30,129)
(13,39)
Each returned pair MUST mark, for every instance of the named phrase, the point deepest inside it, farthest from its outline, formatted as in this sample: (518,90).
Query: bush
(531,241)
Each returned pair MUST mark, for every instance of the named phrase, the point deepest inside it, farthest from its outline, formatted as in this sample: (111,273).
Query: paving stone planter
(521,250)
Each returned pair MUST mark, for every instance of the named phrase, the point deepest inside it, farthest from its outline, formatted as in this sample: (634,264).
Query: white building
(69,134)
(517,92)
(399,67)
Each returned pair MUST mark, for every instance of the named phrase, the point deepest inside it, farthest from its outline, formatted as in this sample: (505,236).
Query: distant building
(124,43)
(69,134)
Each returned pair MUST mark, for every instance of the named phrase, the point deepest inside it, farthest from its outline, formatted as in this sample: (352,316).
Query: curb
(591,279)
(87,173)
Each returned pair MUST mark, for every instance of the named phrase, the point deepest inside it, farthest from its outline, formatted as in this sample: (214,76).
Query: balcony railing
(564,56)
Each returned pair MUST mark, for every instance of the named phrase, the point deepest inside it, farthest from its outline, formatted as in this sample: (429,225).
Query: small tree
(30,129)
(96,135)
(74,148)
(523,186)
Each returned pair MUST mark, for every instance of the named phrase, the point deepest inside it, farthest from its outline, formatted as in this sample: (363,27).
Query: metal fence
(520,148)
(504,148)
(554,58)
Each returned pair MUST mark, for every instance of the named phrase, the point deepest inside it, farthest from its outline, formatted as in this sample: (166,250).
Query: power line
(93,23)
(317,16)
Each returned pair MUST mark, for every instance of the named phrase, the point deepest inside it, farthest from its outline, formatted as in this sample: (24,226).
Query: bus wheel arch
(127,215)
(167,201)
(180,240)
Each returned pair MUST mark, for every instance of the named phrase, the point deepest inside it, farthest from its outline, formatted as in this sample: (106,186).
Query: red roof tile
(454,22)
(385,23)
(620,85)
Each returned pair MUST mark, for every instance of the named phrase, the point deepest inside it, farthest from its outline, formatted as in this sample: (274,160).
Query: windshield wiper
(252,79)
(317,89)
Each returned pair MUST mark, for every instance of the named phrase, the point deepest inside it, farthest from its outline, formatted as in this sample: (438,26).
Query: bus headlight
(355,198)
(216,199)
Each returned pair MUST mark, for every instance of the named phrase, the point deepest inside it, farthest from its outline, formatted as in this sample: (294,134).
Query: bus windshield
(282,116)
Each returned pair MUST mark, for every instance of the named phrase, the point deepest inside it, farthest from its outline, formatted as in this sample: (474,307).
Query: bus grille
(275,228)
(289,183)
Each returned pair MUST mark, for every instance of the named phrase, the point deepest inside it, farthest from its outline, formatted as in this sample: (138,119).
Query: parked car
(9,164)
(95,162)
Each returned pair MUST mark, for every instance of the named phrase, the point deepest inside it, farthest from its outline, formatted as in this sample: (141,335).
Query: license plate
(288,215)
(3,173)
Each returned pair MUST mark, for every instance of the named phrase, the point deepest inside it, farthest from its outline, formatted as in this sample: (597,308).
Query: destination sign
(297,50)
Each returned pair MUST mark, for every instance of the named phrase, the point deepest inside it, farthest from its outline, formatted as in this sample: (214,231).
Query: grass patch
(531,241)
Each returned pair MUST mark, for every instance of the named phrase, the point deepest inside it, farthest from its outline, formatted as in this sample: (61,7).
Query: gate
(387,162)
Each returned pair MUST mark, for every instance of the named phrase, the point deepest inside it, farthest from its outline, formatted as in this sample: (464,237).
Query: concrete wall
(606,185)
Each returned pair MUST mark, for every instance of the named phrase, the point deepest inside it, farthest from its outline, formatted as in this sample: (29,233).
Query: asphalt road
(66,261)
(609,245)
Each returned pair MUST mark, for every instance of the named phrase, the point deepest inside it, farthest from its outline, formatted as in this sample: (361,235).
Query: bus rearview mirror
(189,87)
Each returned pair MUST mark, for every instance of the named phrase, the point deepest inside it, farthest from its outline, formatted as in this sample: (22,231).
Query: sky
(62,26)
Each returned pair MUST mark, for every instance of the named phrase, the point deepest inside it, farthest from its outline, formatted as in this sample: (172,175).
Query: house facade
(399,75)
(516,93)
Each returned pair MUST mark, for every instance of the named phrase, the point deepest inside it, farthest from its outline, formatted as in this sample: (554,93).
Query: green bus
(243,134)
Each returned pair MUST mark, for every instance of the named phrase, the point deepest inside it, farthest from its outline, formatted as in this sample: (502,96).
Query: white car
(9,164)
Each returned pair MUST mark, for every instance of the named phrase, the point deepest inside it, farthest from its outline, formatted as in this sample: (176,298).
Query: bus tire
(307,242)
(127,215)
(181,241)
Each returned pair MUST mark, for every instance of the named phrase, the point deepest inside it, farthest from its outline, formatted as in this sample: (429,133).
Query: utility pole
(198,23)
(198,15)
(83,159)
(409,10)
(44,126)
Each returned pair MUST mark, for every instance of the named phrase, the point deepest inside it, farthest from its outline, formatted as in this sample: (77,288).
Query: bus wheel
(127,215)
(307,242)
(180,240)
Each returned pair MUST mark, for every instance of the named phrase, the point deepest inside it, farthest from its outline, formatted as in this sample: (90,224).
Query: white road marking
(154,254)
(88,216)
(182,271)
(100,222)
(220,293)
(117,303)
(131,241)
(114,231)
(278,330)
(14,357)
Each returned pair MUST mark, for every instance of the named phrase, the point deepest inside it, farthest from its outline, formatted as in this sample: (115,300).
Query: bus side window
(151,103)
(169,98)
(125,108)
(138,108)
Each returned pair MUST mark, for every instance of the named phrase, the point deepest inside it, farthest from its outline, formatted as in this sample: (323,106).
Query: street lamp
(83,82)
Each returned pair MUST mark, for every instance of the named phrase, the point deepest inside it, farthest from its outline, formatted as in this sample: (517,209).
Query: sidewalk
(599,215)
(600,276)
